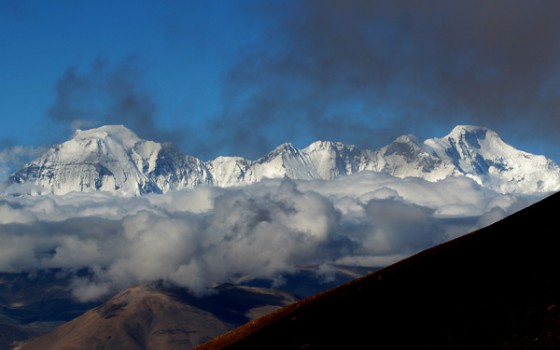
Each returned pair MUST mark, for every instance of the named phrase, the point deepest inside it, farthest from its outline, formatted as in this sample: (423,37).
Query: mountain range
(113,158)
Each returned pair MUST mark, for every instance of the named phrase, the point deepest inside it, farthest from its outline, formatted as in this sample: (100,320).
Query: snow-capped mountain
(114,159)
(481,154)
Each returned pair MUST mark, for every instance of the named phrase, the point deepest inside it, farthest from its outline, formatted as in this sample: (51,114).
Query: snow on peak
(320,146)
(115,132)
(406,146)
(327,145)
(472,135)
(408,138)
(285,148)
(468,143)
(463,129)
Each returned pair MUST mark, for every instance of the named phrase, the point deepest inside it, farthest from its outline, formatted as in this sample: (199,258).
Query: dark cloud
(109,94)
(366,71)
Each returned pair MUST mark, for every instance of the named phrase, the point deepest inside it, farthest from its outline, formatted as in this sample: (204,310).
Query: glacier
(114,159)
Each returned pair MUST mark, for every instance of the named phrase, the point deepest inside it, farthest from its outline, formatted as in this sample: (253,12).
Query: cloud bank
(203,237)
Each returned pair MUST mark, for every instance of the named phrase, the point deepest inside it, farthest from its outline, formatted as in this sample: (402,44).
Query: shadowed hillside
(496,288)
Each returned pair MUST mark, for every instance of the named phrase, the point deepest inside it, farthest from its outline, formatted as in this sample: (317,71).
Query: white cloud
(198,238)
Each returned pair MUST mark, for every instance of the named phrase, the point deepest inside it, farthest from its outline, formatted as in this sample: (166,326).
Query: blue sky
(241,77)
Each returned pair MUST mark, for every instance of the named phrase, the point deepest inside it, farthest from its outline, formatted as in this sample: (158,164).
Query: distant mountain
(114,159)
(496,288)
(156,317)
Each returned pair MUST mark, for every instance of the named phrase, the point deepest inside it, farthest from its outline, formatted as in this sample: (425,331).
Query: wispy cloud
(198,238)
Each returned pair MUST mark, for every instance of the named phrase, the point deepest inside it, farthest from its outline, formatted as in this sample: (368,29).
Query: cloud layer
(199,238)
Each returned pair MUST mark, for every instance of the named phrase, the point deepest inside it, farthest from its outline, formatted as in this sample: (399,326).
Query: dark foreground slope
(497,288)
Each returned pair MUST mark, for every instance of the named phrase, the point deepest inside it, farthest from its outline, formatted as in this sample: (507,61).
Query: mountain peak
(464,128)
(318,145)
(285,148)
(471,134)
(404,145)
(331,146)
(470,138)
(480,154)
(407,138)
(466,138)
(115,132)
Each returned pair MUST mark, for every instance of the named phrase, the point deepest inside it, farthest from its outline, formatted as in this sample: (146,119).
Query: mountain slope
(114,159)
(497,288)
